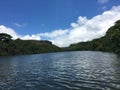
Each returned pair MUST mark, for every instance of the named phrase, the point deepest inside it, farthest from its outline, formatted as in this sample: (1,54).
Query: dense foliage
(110,42)
(17,47)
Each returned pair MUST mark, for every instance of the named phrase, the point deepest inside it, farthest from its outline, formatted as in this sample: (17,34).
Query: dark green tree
(5,37)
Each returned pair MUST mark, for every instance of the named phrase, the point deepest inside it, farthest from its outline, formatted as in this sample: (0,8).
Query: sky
(61,21)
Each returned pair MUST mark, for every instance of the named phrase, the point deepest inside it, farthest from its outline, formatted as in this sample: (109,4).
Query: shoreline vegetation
(108,43)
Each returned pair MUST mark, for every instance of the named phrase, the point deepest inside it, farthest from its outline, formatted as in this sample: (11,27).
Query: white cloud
(31,37)
(82,30)
(85,29)
(81,21)
(4,29)
(103,1)
(54,34)
(10,31)
(17,24)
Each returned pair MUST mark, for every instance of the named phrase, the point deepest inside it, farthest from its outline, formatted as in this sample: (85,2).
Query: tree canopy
(4,37)
(18,46)
(110,42)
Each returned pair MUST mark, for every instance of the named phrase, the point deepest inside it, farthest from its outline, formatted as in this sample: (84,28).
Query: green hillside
(18,47)
(110,42)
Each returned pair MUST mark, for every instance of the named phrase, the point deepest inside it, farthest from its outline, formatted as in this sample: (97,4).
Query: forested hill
(110,42)
(18,47)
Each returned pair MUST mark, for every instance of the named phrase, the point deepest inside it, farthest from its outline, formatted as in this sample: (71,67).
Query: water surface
(81,70)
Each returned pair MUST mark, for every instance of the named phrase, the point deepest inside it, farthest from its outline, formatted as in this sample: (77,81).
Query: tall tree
(5,37)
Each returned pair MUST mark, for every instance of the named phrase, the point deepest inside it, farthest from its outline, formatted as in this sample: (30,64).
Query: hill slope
(110,42)
(18,47)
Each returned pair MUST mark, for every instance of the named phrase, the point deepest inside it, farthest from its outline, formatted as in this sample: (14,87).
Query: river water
(80,70)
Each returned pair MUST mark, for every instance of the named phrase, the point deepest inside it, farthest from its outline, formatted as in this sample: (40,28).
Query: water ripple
(84,70)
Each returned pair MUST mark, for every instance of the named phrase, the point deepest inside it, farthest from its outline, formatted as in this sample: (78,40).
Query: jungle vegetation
(18,46)
(108,43)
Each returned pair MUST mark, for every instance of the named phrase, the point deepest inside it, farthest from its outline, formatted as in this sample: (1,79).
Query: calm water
(83,70)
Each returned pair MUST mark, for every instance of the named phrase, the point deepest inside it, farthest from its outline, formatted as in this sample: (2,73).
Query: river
(79,70)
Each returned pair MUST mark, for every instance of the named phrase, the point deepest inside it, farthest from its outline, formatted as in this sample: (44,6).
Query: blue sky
(33,17)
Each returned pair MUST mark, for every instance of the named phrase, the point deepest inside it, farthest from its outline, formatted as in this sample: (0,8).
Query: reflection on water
(85,70)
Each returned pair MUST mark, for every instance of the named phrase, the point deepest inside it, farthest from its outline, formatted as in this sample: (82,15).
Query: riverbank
(108,43)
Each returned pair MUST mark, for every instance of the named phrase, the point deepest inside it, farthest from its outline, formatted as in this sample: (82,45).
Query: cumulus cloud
(10,31)
(83,29)
(54,34)
(103,1)
(31,37)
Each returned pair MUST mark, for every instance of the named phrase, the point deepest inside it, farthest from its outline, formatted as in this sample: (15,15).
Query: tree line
(109,43)
(8,46)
